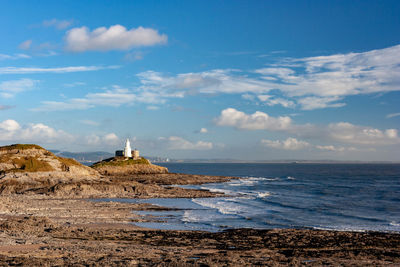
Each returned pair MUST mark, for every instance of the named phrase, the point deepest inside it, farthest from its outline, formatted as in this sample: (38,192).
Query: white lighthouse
(127,150)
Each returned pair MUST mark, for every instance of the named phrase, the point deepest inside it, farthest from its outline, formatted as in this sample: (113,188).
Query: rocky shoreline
(51,214)
(43,227)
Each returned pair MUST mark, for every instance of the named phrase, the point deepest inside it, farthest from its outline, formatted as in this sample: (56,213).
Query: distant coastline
(88,158)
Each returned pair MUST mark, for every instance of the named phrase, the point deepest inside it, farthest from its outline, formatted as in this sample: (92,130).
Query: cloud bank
(306,83)
(115,37)
(11,130)
(256,121)
(342,132)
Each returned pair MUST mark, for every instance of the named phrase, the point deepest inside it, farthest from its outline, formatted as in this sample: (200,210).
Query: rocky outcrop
(30,166)
(32,170)
(119,166)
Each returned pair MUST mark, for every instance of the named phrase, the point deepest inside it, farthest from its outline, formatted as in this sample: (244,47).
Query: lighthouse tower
(127,150)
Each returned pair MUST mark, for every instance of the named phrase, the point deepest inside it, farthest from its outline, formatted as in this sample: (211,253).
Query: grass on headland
(29,164)
(68,161)
(120,162)
(21,147)
(32,163)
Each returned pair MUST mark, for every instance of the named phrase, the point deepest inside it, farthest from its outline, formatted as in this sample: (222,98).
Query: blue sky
(256,80)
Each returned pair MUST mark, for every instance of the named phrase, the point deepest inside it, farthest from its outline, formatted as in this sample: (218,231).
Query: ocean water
(348,197)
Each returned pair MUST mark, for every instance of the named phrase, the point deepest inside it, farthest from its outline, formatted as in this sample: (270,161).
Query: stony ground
(48,230)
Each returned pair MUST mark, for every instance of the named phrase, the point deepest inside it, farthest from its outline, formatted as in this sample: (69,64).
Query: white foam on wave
(395,223)
(201,216)
(291,178)
(222,206)
(251,181)
(192,216)
(263,194)
(246,195)
(218,190)
(272,179)
(247,182)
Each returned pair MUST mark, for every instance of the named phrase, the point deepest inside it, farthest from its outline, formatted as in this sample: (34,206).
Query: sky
(248,80)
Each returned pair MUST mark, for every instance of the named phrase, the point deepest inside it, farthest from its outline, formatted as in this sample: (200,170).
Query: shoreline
(60,229)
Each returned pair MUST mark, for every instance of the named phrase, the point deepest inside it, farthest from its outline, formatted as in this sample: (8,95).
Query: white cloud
(392,115)
(208,82)
(58,24)
(323,76)
(25,45)
(93,140)
(272,101)
(13,57)
(115,97)
(279,72)
(294,144)
(288,144)
(309,83)
(11,130)
(331,148)
(9,89)
(203,130)
(312,102)
(179,143)
(9,126)
(111,139)
(337,76)
(115,37)
(349,133)
(248,97)
(25,70)
(256,121)
(342,132)
(107,140)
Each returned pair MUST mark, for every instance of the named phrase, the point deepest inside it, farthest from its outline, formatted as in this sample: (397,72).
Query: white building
(127,152)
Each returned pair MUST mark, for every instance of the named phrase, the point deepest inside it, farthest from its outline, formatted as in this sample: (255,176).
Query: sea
(343,197)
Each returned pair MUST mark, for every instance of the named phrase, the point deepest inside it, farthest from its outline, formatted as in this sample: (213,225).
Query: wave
(219,190)
(272,179)
(248,182)
(223,207)
(263,194)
